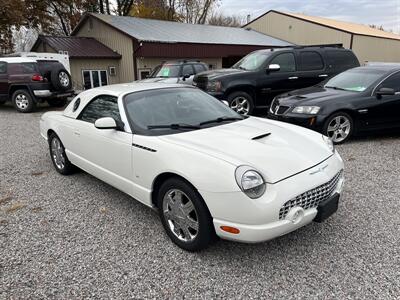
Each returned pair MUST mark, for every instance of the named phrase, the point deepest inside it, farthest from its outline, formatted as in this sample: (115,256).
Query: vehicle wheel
(58,156)
(57,102)
(241,102)
(339,127)
(184,215)
(61,79)
(23,101)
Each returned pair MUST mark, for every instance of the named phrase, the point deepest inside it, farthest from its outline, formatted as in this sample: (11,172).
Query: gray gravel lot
(76,237)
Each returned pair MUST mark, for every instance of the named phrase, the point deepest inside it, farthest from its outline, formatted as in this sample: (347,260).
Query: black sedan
(356,101)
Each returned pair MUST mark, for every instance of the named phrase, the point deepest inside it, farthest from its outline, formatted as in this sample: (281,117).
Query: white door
(104,153)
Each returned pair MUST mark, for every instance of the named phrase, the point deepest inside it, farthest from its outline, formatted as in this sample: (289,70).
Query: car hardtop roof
(127,88)
(385,67)
(179,62)
(17,60)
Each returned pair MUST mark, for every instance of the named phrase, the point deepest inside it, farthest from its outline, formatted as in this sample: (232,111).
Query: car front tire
(58,156)
(23,101)
(339,127)
(184,215)
(241,102)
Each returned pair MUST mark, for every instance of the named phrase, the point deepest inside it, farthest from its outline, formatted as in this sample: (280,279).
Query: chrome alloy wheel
(241,105)
(64,79)
(21,101)
(339,129)
(180,215)
(57,153)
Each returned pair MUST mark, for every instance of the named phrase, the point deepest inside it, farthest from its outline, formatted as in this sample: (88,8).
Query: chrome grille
(311,198)
(278,109)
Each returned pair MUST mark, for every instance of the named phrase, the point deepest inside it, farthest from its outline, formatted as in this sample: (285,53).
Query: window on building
(310,61)
(94,78)
(286,61)
(101,107)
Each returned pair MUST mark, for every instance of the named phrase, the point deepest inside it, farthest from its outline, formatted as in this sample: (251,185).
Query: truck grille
(311,198)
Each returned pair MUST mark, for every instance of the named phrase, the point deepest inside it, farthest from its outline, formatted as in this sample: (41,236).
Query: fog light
(295,215)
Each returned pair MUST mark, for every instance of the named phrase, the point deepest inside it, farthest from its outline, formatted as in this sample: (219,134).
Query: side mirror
(185,76)
(385,92)
(273,68)
(225,102)
(105,123)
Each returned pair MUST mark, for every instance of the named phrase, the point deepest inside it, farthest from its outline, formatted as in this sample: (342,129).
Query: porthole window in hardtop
(76,105)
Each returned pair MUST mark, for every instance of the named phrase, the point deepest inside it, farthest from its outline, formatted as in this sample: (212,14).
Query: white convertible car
(208,170)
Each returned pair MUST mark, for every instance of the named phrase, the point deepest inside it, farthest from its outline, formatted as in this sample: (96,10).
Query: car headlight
(214,86)
(250,182)
(309,110)
(329,143)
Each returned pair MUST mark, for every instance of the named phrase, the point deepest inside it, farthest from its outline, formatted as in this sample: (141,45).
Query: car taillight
(37,77)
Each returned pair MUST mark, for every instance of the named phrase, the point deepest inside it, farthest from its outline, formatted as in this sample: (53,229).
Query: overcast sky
(378,12)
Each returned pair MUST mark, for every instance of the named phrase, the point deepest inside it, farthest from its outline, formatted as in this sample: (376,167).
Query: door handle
(293,78)
(77,133)
(323,75)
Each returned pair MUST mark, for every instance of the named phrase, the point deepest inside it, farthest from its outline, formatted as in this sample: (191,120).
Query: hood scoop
(300,97)
(259,137)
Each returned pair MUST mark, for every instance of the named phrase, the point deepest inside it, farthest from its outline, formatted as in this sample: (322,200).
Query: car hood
(213,74)
(160,79)
(278,150)
(313,96)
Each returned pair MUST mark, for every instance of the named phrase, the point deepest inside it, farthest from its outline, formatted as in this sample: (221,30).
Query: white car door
(104,153)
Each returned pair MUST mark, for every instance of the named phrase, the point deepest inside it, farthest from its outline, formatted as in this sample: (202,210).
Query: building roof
(353,28)
(77,47)
(149,30)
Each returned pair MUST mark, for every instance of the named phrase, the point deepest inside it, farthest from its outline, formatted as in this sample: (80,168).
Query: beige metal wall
(78,65)
(299,32)
(114,40)
(376,49)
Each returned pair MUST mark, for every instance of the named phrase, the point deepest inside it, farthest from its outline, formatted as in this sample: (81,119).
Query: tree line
(19,18)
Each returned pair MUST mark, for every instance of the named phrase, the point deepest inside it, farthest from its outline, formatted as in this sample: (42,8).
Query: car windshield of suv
(167,71)
(355,80)
(174,110)
(155,71)
(252,61)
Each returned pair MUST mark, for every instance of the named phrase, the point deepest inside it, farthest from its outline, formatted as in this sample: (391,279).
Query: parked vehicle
(262,75)
(356,101)
(209,171)
(26,82)
(176,72)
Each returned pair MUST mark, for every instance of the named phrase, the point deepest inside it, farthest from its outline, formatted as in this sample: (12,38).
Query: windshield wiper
(335,88)
(173,126)
(220,120)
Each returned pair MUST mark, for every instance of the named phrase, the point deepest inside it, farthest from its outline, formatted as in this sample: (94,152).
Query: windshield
(355,80)
(150,112)
(167,71)
(155,71)
(252,61)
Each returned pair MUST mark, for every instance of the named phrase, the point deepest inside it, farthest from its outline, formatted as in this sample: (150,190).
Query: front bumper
(259,220)
(308,121)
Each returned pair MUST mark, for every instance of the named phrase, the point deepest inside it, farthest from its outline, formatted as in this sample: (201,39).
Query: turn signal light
(37,77)
(230,229)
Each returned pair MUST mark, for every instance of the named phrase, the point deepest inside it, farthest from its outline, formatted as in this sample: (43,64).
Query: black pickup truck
(257,78)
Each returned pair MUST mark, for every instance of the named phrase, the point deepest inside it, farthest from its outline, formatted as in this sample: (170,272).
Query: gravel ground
(76,237)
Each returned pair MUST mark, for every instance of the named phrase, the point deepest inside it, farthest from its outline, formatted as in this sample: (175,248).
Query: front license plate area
(327,208)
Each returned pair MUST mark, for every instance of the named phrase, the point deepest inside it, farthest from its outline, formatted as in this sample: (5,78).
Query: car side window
(393,82)
(3,67)
(100,107)
(187,70)
(310,61)
(199,68)
(286,61)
